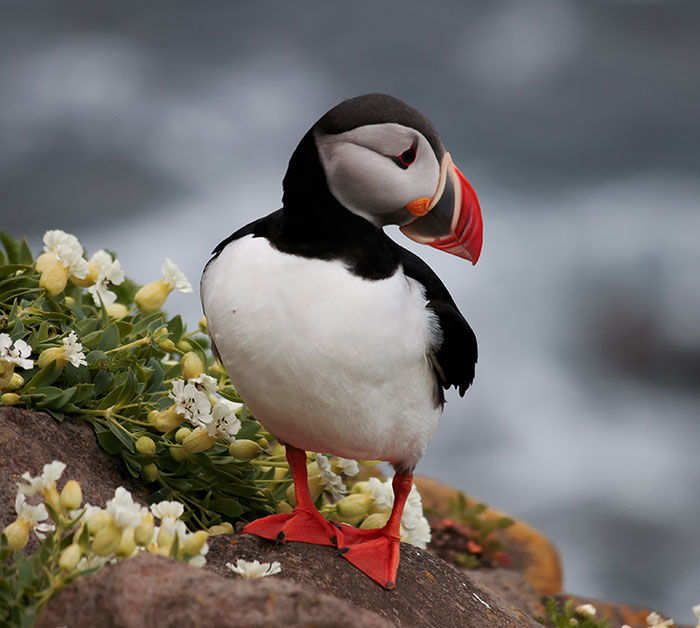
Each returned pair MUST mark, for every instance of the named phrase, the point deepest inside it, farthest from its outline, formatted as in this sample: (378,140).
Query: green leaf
(175,328)
(110,339)
(108,441)
(122,437)
(229,507)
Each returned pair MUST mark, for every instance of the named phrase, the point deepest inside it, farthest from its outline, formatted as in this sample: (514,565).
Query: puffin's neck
(315,224)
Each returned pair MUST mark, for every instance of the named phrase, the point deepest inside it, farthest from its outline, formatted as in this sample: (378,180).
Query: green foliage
(128,374)
(569,617)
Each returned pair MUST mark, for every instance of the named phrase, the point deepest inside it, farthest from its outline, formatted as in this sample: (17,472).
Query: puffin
(339,340)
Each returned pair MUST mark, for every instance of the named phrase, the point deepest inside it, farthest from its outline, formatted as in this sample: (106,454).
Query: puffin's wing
(456,357)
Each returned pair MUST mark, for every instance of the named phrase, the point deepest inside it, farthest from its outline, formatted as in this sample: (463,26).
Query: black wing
(455,359)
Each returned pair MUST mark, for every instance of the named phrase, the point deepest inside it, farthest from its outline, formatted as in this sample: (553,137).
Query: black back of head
(378,109)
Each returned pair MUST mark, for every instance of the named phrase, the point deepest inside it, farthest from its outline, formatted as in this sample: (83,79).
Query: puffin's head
(384,161)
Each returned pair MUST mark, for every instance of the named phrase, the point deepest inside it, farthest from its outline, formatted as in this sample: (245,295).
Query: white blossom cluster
(16,352)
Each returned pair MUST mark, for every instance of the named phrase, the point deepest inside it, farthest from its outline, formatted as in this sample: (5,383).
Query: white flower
(109,271)
(67,250)
(348,467)
(17,352)
(656,621)
(33,515)
(418,535)
(382,493)
(254,569)
(165,509)
(226,423)
(696,611)
(73,350)
(125,512)
(94,562)
(174,277)
(206,383)
(190,402)
(331,482)
(586,609)
(45,482)
(200,560)
(87,511)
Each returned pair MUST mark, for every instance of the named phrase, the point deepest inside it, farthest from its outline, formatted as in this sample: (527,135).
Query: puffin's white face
(376,170)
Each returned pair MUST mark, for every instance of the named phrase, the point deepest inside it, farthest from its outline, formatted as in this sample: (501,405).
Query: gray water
(158,128)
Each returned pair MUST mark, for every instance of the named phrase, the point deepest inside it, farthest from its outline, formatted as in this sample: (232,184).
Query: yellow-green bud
(183,345)
(182,434)
(353,508)
(360,487)
(44,261)
(244,449)
(143,533)
(150,472)
(71,495)
(117,310)
(221,528)
(126,545)
(376,520)
(195,542)
(166,345)
(289,494)
(165,420)
(107,540)
(203,324)
(160,333)
(89,279)
(49,355)
(192,365)
(98,521)
(69,300)
(17,533)
(284,507)
(10,399)
(375,508)
(263,442)
(177,453)
(6,374)
(16,382)
(54,278)
(217,369)
(152,296)
(165,539)
(145,445)
(198,440)
(70,557)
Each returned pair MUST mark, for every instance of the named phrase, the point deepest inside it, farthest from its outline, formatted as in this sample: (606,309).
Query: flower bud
(244,449)
(70,557)
(150,472)
(203,324)
(126,545)
(221,528)
(166,345)
(17,533)
(54,278)
(315,487)
(98,521)
(182,434)
(160,333)
(89,279)
(117,310)
(145,445)
(16,382)
(198,440)
(49,355)
(376,508)
(152,296)
(69,300)
(263,442)
(195,542)
(353,508)
(143,533)
(165,420)
(284,507)
(290,495)
(6,374)
(192,365)
(184,346)
(71,495)
(177,453)
(107,540)
(44,261)
(10,399)
(217,368)
(376,520)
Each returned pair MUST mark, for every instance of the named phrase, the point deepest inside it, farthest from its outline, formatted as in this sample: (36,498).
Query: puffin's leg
(304,523)
(376,552)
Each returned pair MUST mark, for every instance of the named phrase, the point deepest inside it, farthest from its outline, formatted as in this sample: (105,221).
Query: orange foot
(374,552)
(307,526)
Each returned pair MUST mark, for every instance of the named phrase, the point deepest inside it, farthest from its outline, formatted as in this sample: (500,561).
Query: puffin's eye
(405,159)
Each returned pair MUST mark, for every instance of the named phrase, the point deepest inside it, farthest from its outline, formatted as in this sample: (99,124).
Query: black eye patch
(405,159)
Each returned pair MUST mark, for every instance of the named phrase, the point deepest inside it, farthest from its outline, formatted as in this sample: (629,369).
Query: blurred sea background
(157,128)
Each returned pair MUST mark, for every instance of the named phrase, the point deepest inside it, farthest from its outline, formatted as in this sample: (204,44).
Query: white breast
(326,361)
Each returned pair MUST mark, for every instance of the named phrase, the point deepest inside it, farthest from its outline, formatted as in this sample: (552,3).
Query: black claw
(334,540)
(342,550)
(389,585)
(280,538)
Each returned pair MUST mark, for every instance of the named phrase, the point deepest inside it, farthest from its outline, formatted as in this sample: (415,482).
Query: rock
(429,592)
(154,591)
(531,553)
(29,440)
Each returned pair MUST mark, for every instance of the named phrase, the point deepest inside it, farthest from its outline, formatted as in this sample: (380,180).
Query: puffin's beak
(451,221)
